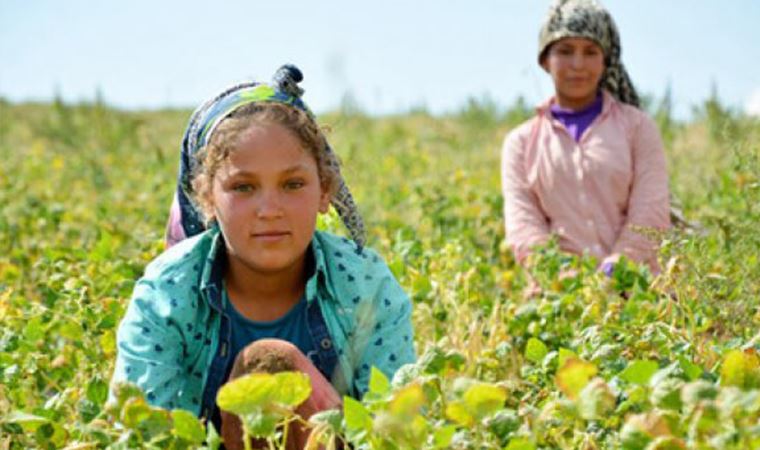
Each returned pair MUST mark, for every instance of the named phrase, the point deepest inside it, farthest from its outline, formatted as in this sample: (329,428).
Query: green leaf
(574,375)
(564,355)
(188,427)
(260,424)
(213,441)
(71,330)
(442,436)
(407,401)
(740,369)
(732,370)
(459,413)
(257,391)
(97,391)
(135,411)
(503,423)
(691,370)
(520,444)
(639,371)
(596,400)
(247,394)
(378,382)
(293,388)
(667,394)
(356,415)
(34,331)
(484,399)
(331,417)
(29,422)
(535,350)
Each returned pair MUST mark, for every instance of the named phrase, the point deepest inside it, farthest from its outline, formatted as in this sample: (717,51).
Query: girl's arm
(525,222)
(648,202)
(389,341)
(151,349)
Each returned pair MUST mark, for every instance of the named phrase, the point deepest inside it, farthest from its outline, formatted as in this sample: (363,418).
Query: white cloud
(752,107)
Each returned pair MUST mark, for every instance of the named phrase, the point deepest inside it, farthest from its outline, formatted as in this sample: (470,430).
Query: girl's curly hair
(224,141)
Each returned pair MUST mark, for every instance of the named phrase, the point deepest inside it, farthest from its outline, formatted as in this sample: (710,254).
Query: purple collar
(576,122)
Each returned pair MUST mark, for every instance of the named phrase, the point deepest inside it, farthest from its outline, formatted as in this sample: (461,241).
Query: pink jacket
(588,193)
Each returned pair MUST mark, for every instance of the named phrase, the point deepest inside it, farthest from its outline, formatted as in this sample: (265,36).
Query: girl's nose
(269,205)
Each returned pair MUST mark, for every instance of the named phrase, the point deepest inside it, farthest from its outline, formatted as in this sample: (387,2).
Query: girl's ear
(324,201)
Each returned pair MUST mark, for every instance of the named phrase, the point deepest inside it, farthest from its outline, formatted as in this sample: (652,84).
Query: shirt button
(597,248)
(326,344)
(590,223)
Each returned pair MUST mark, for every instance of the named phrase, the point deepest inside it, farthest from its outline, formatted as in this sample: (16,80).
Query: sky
(385,56)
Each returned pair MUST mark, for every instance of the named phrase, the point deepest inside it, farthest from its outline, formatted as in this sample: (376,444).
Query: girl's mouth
(270,236)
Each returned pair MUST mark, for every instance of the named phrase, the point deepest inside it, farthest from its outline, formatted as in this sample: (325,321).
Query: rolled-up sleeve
(648,204)
(525,222)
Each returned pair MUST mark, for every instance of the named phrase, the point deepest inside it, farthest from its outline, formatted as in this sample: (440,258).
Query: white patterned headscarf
(590,20)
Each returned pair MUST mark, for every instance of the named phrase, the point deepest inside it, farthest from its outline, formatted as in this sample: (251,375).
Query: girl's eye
(242,187)
(293,185)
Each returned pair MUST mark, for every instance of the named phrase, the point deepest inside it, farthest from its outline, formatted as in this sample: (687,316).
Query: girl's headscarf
(589,19)
(283,89)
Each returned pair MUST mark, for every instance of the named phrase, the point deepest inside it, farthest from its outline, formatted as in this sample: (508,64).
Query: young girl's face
(266,197)
(576,66)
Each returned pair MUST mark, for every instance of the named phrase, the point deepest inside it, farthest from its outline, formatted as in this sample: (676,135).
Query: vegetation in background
(633,362)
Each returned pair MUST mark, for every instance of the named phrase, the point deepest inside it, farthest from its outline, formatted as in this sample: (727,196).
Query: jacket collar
(215,263)
(607,101)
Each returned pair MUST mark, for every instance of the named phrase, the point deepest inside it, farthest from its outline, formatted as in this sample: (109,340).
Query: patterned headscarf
(589,19)
(283,89)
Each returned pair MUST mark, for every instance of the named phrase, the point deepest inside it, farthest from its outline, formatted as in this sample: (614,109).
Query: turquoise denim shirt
(170,333)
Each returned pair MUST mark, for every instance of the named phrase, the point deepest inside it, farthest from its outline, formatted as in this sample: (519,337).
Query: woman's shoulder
(631,116)
(518,136)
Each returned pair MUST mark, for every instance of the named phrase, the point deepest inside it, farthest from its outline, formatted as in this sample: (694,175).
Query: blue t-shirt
(292,327)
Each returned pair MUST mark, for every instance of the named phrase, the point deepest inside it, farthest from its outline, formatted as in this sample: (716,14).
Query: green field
(673,363)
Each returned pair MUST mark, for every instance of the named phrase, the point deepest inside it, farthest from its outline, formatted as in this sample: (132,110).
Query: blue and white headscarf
(284,89)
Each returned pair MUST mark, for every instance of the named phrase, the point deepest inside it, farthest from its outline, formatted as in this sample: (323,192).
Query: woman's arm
(526,224)
(648,202)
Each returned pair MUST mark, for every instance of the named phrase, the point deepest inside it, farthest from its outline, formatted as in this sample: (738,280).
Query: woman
(589,167)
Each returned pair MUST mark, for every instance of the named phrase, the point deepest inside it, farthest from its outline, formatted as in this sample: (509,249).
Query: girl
(260,289)
(589,167)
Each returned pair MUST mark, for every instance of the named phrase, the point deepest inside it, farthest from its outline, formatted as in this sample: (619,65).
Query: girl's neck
(268,296)
(574,104)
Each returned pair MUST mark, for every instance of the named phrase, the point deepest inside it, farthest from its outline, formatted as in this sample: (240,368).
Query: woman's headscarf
(283,89)
(589,19)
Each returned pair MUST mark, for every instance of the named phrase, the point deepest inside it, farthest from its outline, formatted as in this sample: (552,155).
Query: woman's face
(576,66)
(266,197)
